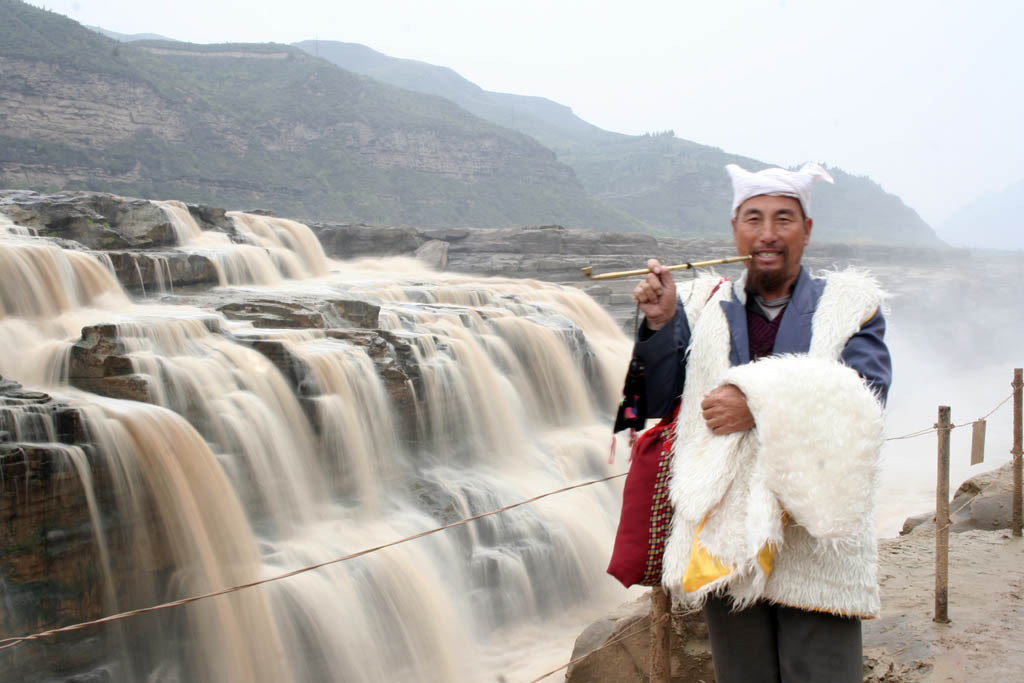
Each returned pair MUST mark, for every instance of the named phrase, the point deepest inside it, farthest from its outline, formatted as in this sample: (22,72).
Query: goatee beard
(759,281)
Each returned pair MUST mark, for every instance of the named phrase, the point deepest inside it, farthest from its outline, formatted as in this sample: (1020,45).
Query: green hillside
(678,186)
(262,125)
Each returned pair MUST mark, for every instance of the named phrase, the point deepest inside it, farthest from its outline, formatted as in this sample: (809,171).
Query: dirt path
(982,642)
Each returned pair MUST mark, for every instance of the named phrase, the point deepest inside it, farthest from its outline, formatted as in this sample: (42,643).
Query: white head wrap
(777,182)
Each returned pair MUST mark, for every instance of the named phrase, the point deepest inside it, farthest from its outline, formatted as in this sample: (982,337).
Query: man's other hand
(726,411)
(656,295)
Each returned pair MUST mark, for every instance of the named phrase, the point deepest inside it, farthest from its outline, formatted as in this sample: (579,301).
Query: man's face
(774,231)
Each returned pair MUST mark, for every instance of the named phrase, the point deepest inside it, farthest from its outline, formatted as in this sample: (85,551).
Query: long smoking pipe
(588,270)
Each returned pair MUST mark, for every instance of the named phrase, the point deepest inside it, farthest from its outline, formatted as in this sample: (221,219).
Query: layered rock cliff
(261,125)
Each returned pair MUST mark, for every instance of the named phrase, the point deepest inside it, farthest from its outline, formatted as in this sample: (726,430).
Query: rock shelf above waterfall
(99,220)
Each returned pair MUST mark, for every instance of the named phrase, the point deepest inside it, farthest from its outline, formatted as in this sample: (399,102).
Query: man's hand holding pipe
(656,295)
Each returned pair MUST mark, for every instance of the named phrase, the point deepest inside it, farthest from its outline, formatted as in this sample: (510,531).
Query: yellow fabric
(765,558)
(703,567)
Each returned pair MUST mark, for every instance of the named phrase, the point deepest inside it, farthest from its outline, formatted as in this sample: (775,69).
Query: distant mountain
(992,221)
(553,124)
(265,126)
(297,132)
(678,186)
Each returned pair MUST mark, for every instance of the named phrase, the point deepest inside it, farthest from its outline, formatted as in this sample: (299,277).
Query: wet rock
(98,363)
(100,353)
(95,219)
(49,557)
(128,387)
(27,415)
(157,271)
(102,221)
(356,311)
(397,366)
(265,313)
(392,356)
(277,353)
(215,218)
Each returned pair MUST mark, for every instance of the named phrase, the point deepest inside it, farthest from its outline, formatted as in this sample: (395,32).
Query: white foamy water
(235,473)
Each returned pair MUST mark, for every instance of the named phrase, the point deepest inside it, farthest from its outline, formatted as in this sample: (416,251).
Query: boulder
(982,502)
(626,659)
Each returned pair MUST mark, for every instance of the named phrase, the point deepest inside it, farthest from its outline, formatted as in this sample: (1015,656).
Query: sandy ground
(983,640)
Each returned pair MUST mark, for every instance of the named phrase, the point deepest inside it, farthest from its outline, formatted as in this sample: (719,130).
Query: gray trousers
(768,643)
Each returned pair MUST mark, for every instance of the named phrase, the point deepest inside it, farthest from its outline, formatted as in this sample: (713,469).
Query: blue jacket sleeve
(867,353)
(662,354)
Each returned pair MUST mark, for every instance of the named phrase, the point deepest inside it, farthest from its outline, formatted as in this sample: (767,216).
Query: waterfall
(265,250)
(254,451)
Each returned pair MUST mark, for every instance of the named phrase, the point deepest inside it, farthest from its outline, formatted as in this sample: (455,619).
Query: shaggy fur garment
(813,454)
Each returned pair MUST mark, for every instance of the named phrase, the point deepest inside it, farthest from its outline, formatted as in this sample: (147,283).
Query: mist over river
(250,406)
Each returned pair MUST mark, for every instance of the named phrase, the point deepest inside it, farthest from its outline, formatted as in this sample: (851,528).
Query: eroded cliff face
(55,103)
(304,138)
(46,102)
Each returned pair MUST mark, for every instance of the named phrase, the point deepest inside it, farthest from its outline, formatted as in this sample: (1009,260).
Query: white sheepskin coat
(813,454)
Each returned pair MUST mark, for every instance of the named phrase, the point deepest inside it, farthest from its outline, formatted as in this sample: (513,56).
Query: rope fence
(7,643)
(933,429)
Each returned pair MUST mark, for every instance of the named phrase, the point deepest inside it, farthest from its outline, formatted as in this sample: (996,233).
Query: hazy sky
(924,97)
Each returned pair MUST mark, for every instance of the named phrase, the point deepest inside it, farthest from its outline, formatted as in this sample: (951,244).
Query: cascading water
(265,251)
(262,450)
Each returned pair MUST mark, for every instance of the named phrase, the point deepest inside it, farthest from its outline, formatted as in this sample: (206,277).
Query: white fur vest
(802,482)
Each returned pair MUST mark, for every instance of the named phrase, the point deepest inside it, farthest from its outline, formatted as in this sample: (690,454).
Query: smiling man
(774,230)
(782,378)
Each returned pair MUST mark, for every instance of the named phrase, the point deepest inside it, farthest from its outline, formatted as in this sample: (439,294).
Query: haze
(921,96)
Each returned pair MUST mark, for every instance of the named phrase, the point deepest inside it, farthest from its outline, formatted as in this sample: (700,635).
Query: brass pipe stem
(682,266)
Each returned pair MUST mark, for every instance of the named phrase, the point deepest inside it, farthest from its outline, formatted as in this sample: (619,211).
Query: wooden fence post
(661,631)
(1016,451)
(943,428)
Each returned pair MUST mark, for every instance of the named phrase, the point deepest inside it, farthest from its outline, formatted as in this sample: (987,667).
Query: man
(775,468)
